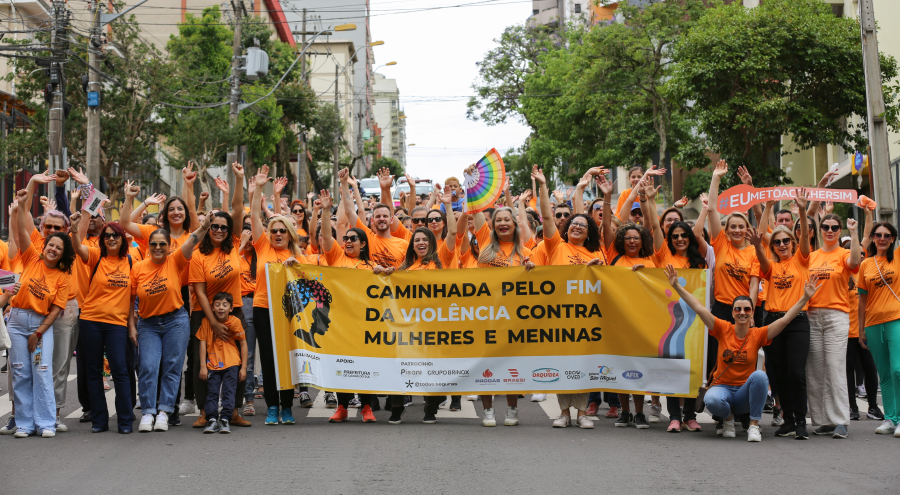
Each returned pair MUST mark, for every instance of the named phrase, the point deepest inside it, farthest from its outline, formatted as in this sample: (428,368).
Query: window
(577,8)
(837,10)
(535,12)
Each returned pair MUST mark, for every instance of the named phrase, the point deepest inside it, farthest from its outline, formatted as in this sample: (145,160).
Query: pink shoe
(674,426)
(691,425)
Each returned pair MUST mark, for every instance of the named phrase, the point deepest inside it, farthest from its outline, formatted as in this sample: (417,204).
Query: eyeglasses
(781,242)
(57,228)
(351,238)
(278,231)
(434,220)
(880,235)
(563,215)
(218,227)
(578,225)
(632,239)
(746,309)
(296,211)
(158,244)
(418,220)
(110,235)
(597,206)
(830,228)
(682,235)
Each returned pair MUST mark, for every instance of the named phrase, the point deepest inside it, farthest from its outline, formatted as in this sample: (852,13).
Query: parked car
(423,186)
(370,186)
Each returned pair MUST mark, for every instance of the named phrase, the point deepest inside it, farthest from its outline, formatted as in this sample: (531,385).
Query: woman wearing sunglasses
(786,274)
(829,320)
(105,318)
(879,316)
(216,267)
(274,246)
(298,211)
(737,387)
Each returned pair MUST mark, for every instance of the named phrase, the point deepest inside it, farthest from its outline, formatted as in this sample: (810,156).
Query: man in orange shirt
(385,249)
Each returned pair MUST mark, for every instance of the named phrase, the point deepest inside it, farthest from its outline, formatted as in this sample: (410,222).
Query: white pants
(826,367)
(578,401)
(65,336)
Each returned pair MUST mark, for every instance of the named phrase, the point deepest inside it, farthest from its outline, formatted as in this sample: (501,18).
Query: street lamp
(377,43)
(345,27)
(410,144)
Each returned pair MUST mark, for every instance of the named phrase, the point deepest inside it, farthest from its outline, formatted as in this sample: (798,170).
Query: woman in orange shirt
(104,320)
(248,286)
(298,211)
(43,295)
(786,274)
(737,387)
(275,246)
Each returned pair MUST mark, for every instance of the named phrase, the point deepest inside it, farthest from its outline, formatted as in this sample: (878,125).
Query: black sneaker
(174,419)
(396,414)
(875,413)
(720,426)
(223,426)
(429,419)
(376,404)
(455,402)
(787,430)
(854,415)
(769,405)
(625,419)
(407,401)
(640,421)
(745,421)
(305,401)
(212,426)
(800,432)
(824,430)
(85,417)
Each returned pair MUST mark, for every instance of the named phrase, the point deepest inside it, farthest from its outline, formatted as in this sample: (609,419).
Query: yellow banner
(565,329)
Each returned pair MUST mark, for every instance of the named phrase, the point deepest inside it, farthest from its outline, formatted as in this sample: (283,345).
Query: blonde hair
(490,252)
(452,179)
(742,217)
(294,239)
(781,229)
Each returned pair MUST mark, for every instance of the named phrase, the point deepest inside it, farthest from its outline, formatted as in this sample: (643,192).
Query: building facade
(390,118)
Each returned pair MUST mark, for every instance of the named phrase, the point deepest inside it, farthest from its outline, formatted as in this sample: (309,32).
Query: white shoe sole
(754,439)
(161,427)
(48,434)
(145,428)
(653,419)
(728,434)
(61,428)
(471,398)
(510,422)
(486,422)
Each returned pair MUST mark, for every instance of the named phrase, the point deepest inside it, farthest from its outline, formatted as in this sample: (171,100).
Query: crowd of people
(173,305)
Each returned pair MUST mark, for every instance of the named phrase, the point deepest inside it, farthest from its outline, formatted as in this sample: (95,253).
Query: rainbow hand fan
(485,185)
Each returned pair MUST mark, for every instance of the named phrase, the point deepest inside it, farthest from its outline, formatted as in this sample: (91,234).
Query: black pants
(101,338)
(271,394)
(431,402)
(674,409)
(84,396)
(227,379)
(856,355)
(344,399)
(786,363)
(200,387)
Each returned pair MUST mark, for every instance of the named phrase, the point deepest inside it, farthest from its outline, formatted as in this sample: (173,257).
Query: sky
(436,52)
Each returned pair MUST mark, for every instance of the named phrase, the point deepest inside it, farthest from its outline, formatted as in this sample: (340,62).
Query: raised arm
(385,180)
(648,208)
(187,249)
(189,176)
(708,319)
(804,221)
(277,187)
(76,233)
(507,197)
(452,224)
(410,198)
(698,225)
(765,221)
(522,216)
(715,223)
(222,185)
(62,199)
(546,213)
(259,180)
(809,290)
(325,202)
(606,188)
(855,248)
(13,228)
(352,216)
(237,198)
(755,239)
(125,220)
(578,195)
(316,206)
(747,179)
(44,178)
(867,231)
(24,222)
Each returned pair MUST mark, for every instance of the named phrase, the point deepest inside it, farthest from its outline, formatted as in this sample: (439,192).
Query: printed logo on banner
(545,375)
(632,375)
(306,371)
(338,372)
(574,375)
(487,373)
(487,380)
(514,373)
(603,374)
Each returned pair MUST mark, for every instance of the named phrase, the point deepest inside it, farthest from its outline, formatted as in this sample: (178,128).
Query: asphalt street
(456,455)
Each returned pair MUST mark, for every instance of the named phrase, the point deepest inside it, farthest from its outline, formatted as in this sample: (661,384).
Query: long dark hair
(68,256)
(813,234)
(163,219)
(695,260)
(443,218)
(592,242)
(363,251)
(646,239)
(872,249)
(431,256)
(206,245)
(123,248)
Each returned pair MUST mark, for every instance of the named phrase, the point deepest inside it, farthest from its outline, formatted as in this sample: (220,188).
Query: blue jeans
(97,337)
(250,333)
(611,399)
(725,400)
(162,344)
(227,379)
(32,383)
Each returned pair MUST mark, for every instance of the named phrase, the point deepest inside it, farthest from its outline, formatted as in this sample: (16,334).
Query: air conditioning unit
(257,63)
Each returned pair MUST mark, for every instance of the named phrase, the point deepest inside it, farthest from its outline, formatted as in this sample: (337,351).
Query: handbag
(702,392)
(5,343)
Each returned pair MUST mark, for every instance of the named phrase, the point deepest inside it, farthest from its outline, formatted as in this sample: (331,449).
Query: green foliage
(696,183)
(394,166)
(261,124)
(787,67)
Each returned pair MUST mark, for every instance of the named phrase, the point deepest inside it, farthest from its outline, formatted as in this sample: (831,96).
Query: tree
(391,164)
(328,128)
(785,68)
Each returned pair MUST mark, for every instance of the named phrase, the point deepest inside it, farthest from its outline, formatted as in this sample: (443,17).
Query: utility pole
(879,153)
(93,114)
(56,115)
(337,115)
(301,155)
(238,6)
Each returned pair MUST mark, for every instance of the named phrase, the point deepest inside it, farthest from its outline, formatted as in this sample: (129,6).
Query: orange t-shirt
(734,268)
(37,240)
(402,232)
(265,254)
(222,354)
(176,243)
(158,287)
(449,260)
(539,254)
(384,252)
(629,261)
(248,278)
(82,272)
(41,286)
(220,271)
(622,197)
(4,256)
(834,278)
(108,296)
(786,282)
(881,305)
(506,248)
(744,363)
(136,254)
(338,258)
(853,298)
(563,253)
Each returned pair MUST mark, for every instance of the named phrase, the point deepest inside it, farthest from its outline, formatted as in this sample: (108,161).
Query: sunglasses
(351,238)
(830,228)
(418,220)
(110,235)
(597,206)
(637,213)
(57,228)
(563,215)
(218,227)
(781,242)
(682,235)
(434,220)
(879,235)
(278,231)
(746,309)
(158,244)
(296,211)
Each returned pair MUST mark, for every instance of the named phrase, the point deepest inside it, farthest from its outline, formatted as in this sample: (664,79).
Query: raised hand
(538,175)
(745,175)
(385,179)
(754,236)
(131,190)
(810,288)
(721,169)
(238,170)
(801,200)
(829,207)
(704,198)
(654,171)
(672,275)
(525,197)
(343,176)
(222,184)
(852,224)
(605,185)
(43,178)
(61,177)
(317,205)
(188,173)
(827,177)
(75,218)
(352,182)
(279,184)
(262,176)
(446,196)
(78,176)
(681,203)
(48,204)
(324,200)
(22,195)
(204,196)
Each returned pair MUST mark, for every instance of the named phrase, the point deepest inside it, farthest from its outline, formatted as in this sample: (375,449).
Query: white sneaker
(897,432)
(471,398)
(562,421)
(585,422)
(728,431)
(538,397)
(146,423)
(512,416)
(162,422)
(60,426)
(655,409)
(48,433)
(489,419)
(753,434)
(21,434)
(187,407)
(886,428)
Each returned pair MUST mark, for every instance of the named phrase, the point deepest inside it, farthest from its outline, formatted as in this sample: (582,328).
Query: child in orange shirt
(225,367)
